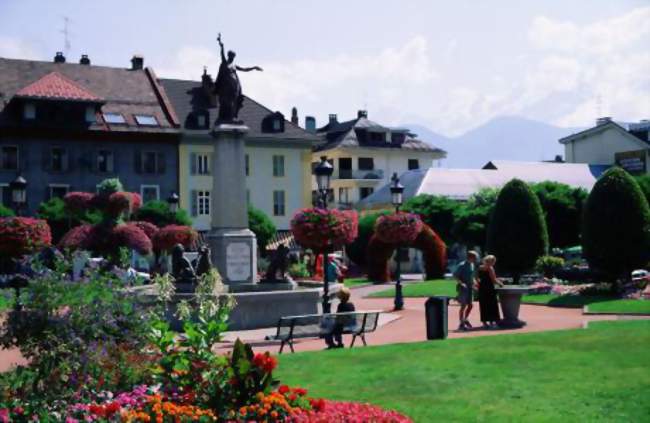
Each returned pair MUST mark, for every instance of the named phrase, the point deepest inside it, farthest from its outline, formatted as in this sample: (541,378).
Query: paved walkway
(407,325)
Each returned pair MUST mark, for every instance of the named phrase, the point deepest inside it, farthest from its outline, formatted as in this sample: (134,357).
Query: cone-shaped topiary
(517,233)
(616,225)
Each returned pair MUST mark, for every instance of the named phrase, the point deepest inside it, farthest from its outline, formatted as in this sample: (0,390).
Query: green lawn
(572,375)
(621,306)
(422,289)
(597,304)
(350,282)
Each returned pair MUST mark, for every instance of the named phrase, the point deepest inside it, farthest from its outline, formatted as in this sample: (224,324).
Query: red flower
(170,235)
(148,228)
(398,228)
(23,235)
(132,236)
(75,238)
(321,229)
(283,389)
(300,391)
(265,362)
(78,201)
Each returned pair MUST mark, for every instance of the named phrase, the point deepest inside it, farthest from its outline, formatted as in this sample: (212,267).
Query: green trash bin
(437,317)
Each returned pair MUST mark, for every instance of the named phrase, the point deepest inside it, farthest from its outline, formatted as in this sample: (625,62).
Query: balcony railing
(360,174)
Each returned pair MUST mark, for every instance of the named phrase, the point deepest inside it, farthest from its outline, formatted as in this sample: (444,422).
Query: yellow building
(366,154)
(278,155)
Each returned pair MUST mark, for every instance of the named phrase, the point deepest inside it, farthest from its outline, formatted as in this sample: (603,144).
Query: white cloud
(17,49)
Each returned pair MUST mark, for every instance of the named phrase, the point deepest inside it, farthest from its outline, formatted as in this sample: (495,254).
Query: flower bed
(398,228)
(321,229)
(23,235)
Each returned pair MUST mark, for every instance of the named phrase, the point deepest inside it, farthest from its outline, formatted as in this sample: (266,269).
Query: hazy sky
(448,65)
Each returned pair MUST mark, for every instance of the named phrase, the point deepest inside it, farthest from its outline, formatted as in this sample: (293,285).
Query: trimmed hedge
(517,233)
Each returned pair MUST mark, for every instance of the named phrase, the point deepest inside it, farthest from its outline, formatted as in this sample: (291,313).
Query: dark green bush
(563,208)
(6,211)
(262,226)
(357,250)
(158,213)
(517,233)
(616,229)
(61,220)
(644,183)
(473,218)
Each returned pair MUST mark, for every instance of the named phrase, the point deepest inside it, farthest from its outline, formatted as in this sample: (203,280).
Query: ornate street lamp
(18,193)
(396,194)
(173,200)
(323,174)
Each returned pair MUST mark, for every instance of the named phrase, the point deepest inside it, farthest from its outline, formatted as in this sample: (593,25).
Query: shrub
(298,270)
(357,249)
(321,229)
(436,211)
(517,233)
(549,265)
(23,235)
(398,228)
(78,201)
(473,218)
(159,213)
(148,228)
(563,207)
(165,239)
(6,211)
(616,229)
(644,184)
(262,226)
(109,186)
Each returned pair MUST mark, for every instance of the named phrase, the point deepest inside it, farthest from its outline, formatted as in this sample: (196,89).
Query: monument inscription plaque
(238,261)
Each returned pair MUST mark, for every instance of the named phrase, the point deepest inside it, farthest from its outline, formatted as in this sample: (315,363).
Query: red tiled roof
(56,86)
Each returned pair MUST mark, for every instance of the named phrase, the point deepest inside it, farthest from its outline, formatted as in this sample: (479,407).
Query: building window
(414,164)
(149,164)
(247,164)
(29,113)
(366,163)
(149,193)
(203,203)
(278,203)
(277,126)
(365,191)
(344,195)
(105,161)
(278,165)
(58,159)
(397,137)
(377,136)
(114,118)
(58,190)
(91,116)
(200,121)
(9,157)
(5,195)
(146,120)
(203,164)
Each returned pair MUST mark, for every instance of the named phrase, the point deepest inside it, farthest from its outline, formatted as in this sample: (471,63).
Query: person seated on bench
(334,339)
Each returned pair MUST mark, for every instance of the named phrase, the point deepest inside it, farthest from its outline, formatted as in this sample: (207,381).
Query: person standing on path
(465,274)
(487,295)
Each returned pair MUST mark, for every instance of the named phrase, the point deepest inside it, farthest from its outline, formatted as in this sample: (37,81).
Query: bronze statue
(182,270)
(203,263)
(228,87)
(279,262)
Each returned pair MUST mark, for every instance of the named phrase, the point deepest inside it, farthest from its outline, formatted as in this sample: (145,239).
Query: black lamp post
(18,193)
(323,174)
(173,200)
(396,194)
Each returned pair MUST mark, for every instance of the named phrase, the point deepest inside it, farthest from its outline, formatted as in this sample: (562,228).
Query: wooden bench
(356,323)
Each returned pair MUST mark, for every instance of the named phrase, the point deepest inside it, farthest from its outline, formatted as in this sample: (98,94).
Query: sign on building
(634,162)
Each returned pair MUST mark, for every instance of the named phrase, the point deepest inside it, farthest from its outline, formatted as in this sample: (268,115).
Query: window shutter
(65,161)
(210,163)
(138,161)
(193,164)
(110,162)
(194,202)
(162,165)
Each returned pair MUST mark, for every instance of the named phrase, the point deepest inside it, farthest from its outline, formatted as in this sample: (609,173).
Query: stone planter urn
(510,300)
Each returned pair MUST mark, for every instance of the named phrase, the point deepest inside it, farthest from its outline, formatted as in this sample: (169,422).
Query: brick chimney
(362,114)
(137,62)
(84,60)
(310,124)
(333,118)
(59,57)
(294,116)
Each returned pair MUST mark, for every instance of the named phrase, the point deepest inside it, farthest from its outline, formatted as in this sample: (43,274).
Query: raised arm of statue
(252,68)
(223,56)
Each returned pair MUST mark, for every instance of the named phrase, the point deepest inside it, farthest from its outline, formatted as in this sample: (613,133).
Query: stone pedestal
(233,245)
(510,299)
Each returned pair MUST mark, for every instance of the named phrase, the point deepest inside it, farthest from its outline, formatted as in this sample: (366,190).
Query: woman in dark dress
(487,295)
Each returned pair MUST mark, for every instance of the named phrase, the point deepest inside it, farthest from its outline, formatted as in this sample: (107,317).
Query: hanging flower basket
(323,230)
(398,228)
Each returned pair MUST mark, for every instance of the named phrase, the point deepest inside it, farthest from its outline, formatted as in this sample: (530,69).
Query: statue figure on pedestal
(228,87)
(182,269)
(203,262)
(279,263)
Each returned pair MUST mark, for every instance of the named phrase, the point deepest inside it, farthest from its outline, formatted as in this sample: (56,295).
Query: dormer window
(29,112)
(273,123)
(146,120)
(200,121)
(114,118)
(276,125)
(91,117)
(377,137)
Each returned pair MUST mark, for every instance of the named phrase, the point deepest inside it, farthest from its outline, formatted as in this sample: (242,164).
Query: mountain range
(502,138)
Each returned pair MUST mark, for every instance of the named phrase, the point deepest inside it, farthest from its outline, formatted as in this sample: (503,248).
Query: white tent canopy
(460,184)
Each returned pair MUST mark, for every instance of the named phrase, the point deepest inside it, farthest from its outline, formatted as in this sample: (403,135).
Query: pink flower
(324,229)
(398,228)
(170,235)
(78,201)
(23,235)
(4,415)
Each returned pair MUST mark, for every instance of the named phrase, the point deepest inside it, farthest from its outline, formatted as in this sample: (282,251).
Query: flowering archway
(381,249)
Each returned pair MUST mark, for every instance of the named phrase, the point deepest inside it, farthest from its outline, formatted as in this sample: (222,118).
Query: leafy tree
(616,229)
(262,226)
(436,211)
(159,213)
(644,183)
(563,207)
(517,231)
(6,211)
(357,250)
(473,218)
(61,219)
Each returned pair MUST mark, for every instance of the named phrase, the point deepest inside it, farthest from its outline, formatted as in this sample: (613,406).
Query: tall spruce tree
(616,226)
(517,233)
